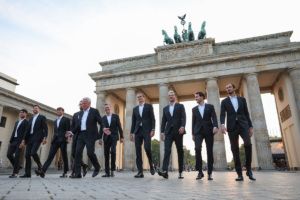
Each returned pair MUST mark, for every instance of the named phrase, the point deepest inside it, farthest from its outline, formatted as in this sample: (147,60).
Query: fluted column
(163,101)
(99,149)
(129,148)
(263,147)
(213,97)
(295,78)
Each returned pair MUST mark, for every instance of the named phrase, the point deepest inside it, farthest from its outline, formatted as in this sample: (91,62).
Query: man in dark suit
(173,129)
(87,135)
(75,120)
(110,132)
(59,141)
(204,126)
(36,135)
(14,148)
(238,124)
(142,130)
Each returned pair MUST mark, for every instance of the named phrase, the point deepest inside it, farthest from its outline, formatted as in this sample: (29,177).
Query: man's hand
(44,141)
(106,131)
(250,131)
(100,141)
(152,133)
(215,130)
(131,137)
(22,145)
(223,129)
(122,140)
(69,134)
(181,130)
(162,137)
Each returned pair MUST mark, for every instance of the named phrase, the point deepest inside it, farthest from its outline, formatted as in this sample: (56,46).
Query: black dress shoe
(250,175)
(152,170)
(239,178)
(139,175)
(95,173)
(200,176)
(106,175)
(180,176)
(39,172)
(64,175)
(112,174)
(163,174)
(75,176)
(84,169)
(13,176)
(210,177)
(25,176)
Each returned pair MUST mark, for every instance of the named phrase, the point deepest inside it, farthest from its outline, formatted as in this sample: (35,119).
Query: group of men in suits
(85,133)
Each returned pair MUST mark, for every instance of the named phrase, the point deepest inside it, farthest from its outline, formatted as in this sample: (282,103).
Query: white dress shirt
(201,109)
(171,108)
(58,121)
(141,107)
(19,123)
(83,119)
(33,122)
(109,119)
(234,102)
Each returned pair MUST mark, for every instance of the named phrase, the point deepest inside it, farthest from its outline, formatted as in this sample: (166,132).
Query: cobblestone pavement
(269,185)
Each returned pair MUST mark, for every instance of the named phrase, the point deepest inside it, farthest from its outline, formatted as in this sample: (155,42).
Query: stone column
(99,149)
(295,78)
(163,101)
(213,97)
(263,147)
(1,111)
(129,148)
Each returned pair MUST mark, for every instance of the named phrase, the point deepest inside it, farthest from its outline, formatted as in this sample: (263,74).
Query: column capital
(131,88)
(250,74)
(293,69)
(163,84)
(211,79)
(101,92)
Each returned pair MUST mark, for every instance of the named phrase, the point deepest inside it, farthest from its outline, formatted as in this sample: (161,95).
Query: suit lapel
(205,110)
(144,108)
(230,103)
(239,103)
(168,110)
(106,121)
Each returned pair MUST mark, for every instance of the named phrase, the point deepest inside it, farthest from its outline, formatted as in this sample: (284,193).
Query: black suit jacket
(75,123)
(205,124)
(93,118)
(21,132)
(40,129)
(115,127)
(60,131)
(242,114)
(176,121)
(147,119)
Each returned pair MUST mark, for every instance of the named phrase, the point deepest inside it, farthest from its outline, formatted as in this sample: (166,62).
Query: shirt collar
(36,115)
(172,104)
(142,104)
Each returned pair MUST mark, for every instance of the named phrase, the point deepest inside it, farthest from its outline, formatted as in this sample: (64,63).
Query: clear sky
(50,46)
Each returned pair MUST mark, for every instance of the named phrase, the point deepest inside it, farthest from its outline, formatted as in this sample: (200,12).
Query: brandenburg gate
(268,63)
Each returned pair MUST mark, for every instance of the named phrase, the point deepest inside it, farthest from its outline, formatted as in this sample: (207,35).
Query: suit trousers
(234,142)
(53,149)
(209,141)
(140,138)
(83,141)
(13,155)
(110,148)
(173,135)
(31,151)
